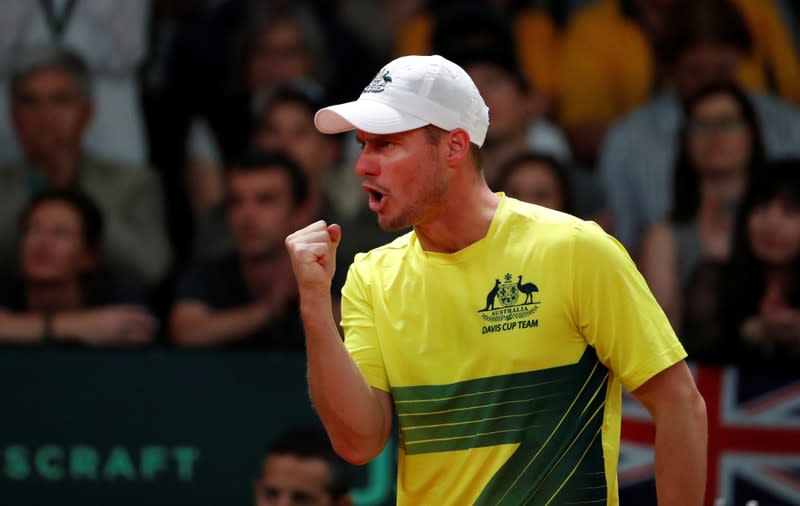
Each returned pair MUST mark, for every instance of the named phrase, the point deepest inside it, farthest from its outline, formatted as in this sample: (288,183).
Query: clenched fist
(313,253)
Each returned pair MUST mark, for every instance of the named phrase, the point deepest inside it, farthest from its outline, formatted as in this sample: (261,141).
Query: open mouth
(376,197)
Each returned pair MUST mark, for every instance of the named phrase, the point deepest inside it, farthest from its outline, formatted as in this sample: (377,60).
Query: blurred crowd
(155,154)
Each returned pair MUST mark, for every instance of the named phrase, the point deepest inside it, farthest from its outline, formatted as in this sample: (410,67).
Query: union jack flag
(753,446)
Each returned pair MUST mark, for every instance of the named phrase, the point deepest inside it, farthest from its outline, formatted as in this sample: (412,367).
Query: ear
(457,149)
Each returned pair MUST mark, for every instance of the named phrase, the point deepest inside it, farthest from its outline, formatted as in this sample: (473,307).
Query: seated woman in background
(59,295)
(538,179)
(759,290)
(720,147)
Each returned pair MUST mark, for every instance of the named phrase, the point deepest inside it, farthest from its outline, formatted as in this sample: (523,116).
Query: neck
(778,277)
(54,296)
(61,171)
(726,186)
(457,225)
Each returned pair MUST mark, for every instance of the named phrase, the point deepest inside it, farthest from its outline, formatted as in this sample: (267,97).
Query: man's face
(289,127)
(704,65)
(287,480)
(404,176)
(260,210)
(537,183)
(50,114)
(279,56)
(506,101)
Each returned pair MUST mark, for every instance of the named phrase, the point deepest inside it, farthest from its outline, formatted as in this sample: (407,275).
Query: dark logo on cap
(379,83)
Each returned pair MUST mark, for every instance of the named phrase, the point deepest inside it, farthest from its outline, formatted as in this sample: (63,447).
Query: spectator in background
(448,25)
(301,469)
(248,297)
(760,288)
(720,151)
(514,125)
(111,37)
(286,124)
(222,68)
(611,58)
(639,153)
(61,295)
(51,96)
(538,179)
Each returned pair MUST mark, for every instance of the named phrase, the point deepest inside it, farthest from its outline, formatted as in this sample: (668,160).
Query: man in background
(248,296)
(301,469)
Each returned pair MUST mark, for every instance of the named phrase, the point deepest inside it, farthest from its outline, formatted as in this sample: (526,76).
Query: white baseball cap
(408,93)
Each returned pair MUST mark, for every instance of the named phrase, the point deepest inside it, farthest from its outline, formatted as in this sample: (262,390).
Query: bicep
(658,265)
(669,389)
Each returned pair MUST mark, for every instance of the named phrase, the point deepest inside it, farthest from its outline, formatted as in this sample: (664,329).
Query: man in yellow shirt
(498,332)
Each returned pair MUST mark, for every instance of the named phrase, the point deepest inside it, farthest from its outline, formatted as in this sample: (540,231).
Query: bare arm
(357,417)
(658,263)
(679,413)
(111,325)
(193,323)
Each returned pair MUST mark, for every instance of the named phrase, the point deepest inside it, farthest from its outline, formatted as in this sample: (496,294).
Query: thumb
(335,233)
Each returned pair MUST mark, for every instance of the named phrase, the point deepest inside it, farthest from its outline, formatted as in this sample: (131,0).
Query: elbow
(357,455)
(182,335)
(698,409)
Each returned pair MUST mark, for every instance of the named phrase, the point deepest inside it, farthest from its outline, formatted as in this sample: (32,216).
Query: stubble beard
(420,208)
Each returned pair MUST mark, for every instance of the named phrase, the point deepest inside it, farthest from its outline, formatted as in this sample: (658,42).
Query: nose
(366,165)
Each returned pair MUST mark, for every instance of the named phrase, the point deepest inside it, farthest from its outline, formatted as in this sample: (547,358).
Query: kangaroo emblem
(491,296)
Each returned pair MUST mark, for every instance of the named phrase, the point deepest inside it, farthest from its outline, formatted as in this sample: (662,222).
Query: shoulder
(772,107)
(220,267)
(11,168)
(387,252)
(657,111)
(543,227)
(102,170)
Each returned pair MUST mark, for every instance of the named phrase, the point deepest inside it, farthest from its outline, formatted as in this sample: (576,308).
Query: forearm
(22,328)
(350,409)
(681,446)
(40,327)
(218,327)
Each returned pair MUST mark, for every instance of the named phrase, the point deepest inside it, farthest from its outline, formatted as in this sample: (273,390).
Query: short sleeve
(360,333)
(616,312)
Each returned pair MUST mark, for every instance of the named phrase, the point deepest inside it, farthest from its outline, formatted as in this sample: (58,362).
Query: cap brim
(367,115)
